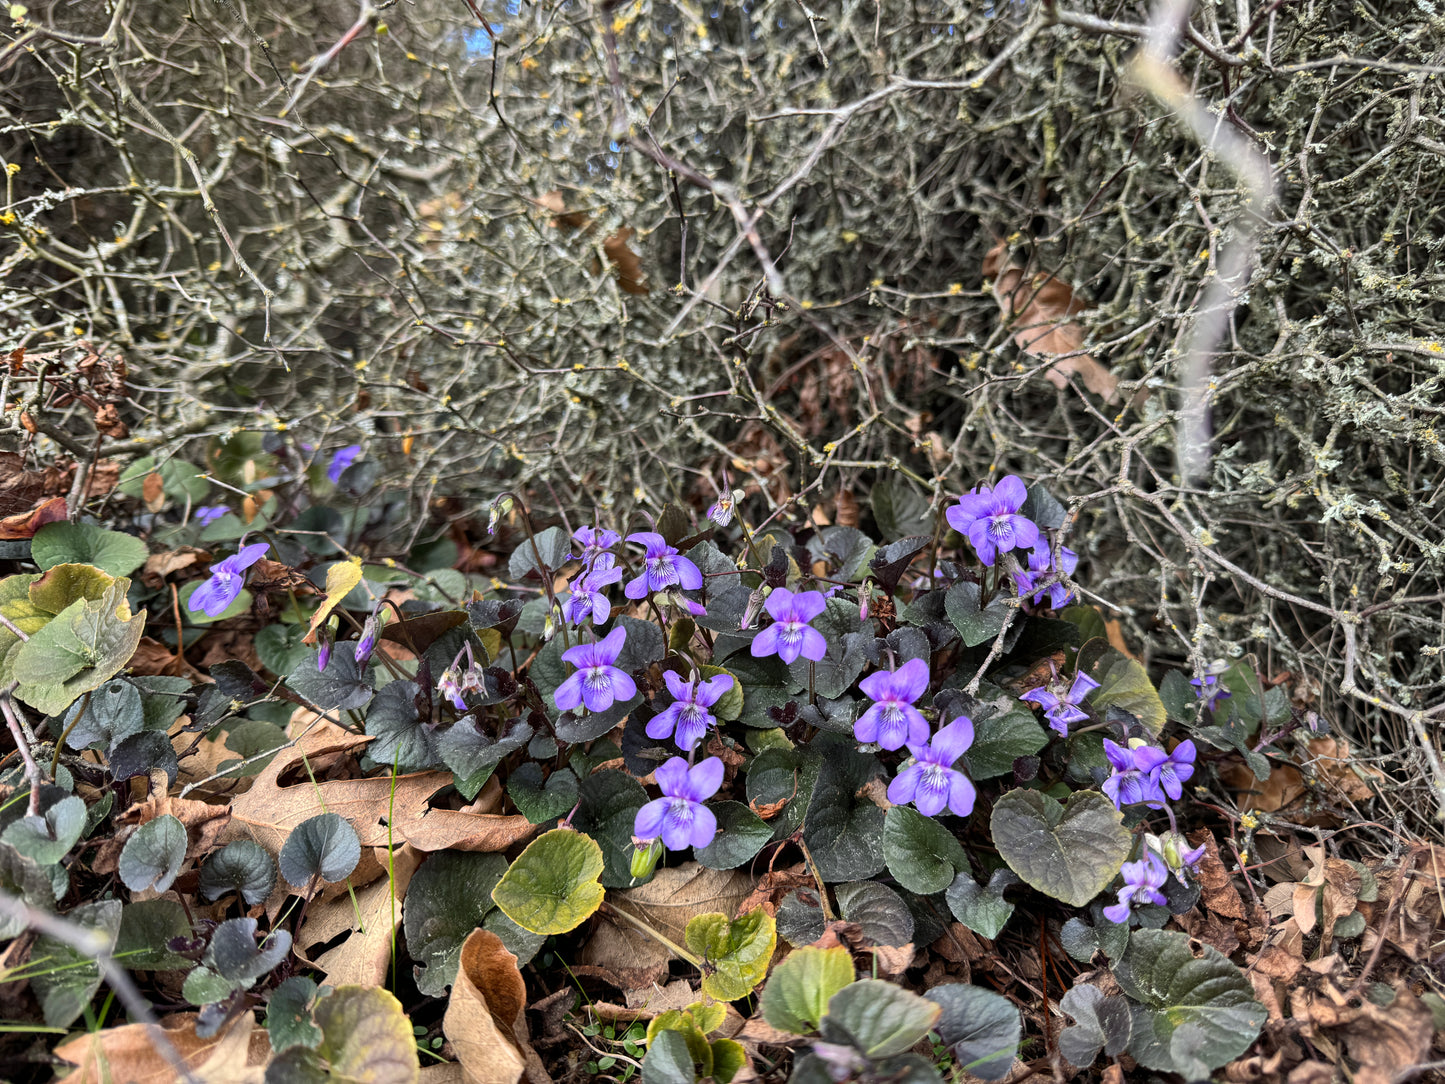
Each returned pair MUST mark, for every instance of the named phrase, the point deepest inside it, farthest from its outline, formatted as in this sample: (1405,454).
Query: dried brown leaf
(127,1053)
(384,811)
(679,894)
(484,1019)
(1038,309)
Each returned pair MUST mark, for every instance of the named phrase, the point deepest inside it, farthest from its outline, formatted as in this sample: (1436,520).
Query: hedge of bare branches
(602,251)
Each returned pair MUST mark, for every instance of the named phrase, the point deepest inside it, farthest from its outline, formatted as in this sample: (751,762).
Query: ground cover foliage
(872,857)
(621,258)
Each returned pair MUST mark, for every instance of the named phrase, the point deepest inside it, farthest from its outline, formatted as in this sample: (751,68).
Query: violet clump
(597,682)
(989,518)
(663,567)
(687,718)
(1063,710)
(790,635)
(227,579)
(1133,779)
(893,721)
(679,817)
(931,782)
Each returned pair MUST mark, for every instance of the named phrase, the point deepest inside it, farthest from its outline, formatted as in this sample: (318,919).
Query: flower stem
(637,923)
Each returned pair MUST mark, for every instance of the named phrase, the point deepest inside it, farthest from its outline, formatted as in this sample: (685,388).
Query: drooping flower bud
(323,654)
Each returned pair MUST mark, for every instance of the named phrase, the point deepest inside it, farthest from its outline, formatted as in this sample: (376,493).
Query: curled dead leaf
(1038,307)
(484,1020)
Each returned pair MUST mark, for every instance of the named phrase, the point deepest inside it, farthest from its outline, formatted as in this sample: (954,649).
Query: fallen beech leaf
(624,957)
(128,1054)
(484,1020)
(625,262)
(679,894)
(1038,308)
(160,565)
(269,811)
(25,524)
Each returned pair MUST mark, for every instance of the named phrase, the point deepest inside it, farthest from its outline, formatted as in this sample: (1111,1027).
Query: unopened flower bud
(323,655)
(645,854)
(500,507)
(755,603)
(367,644)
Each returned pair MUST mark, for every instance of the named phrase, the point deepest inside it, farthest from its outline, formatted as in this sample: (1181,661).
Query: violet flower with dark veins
(1134,779)
(663,567)
(931,782)
(790,635)
(227,579)
(587,599)
(679,817)
(1142,881)
(989,518)
(687,719)
(893,721)
(596,682)
(1063,710)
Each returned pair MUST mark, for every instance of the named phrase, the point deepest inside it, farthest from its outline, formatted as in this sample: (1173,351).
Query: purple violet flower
(596,681)
(989,518)
(688,714)
(893,721)
(1135,779)
(1142,881)
(370,633)
(227,579)
(1063,710)
(594,541)
(208,514)
(662,568)
(323,651)
(931,781)
(341,460)
(1175,769)
(790,635)
(1210,690)
(587,599)
(679,818)
(1040,568)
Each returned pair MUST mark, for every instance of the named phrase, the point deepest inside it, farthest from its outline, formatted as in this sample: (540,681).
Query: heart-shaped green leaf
(553,885)
(737,951)
(923,856)
(877,1018)
(242,866)
(1070,852)
(799,989)
(448,897)
(153,855)
(981,1028)
(86,544)
(45,838)
(982,908)
(79,650)
(323,847)
(1195,1014)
